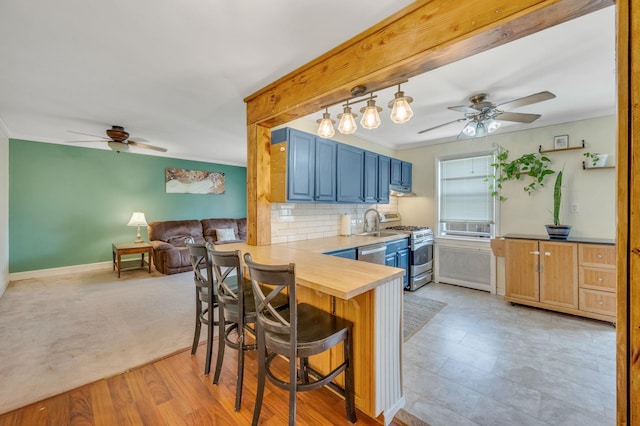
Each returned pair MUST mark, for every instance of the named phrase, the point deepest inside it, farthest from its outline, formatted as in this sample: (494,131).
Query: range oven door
(421,257)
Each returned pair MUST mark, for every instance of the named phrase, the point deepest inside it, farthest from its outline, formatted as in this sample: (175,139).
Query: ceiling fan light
(401,111)
(481,130)
(347,124)
(470,128)
(325,125)
(370,115)
(492,125)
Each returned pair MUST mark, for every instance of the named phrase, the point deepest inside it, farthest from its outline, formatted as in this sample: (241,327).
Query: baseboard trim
(44,273)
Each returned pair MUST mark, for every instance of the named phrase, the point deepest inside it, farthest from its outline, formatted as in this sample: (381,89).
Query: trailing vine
(533,167)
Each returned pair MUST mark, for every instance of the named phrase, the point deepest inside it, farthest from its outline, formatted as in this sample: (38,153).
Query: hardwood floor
(175,391)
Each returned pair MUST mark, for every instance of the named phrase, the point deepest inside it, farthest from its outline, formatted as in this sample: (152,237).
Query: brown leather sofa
(170,253)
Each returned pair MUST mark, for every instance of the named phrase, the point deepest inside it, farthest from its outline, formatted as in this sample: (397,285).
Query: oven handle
(419,244)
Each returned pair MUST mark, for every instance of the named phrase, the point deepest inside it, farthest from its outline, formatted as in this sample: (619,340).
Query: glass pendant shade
(470,128)
(325,125)
(492,125)
(401,111)
(481,130)
(347,124)
(370,115)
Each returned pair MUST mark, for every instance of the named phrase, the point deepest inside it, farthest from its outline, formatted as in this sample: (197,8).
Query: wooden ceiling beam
(422,37)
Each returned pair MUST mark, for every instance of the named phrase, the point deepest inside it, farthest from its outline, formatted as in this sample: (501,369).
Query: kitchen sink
(378,234)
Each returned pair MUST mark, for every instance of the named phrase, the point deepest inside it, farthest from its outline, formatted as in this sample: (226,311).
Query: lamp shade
(347,123)
(325,125)
(370,115)
(401,112)
(137,219)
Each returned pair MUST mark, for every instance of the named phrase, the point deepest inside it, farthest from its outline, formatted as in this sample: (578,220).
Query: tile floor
(481,361)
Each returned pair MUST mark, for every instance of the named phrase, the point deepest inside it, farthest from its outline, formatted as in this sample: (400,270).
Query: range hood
(401,191)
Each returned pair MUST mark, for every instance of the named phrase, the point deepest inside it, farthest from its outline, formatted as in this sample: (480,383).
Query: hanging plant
(532,167)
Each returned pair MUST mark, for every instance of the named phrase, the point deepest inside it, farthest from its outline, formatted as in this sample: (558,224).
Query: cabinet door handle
(600,279)
(600,302)
(599,256)
(534,252)
(547,253)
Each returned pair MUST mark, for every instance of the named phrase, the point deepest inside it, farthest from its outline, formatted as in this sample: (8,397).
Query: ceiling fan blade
(442,125)
(137,139)
(85,141)
(517,117)
(527,100)
(465,109)
(145,145)
(89,134)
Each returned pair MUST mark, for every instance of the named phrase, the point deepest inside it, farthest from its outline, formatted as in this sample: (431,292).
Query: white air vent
(465,266)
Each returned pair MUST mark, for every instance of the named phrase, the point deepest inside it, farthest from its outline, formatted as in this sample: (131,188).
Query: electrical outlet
(574,208)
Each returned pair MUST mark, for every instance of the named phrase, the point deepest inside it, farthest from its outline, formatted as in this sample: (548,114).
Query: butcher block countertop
(336,276)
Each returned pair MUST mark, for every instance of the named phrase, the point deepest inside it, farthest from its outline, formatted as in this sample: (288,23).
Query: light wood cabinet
(575,278)
(597,264)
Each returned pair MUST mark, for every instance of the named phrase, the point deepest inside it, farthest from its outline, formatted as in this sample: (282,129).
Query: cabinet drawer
(598,278)
(597,255)
(599,302)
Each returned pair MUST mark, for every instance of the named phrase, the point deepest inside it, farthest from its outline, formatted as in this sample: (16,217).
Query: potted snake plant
(557,231)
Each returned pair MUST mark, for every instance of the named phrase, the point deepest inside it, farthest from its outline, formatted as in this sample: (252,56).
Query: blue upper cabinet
(308,168)
(350,174)
(325,170)
(401,172)
(293,165)
(370,177)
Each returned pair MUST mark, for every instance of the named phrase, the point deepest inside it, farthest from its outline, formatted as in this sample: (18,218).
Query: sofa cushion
(209,227)
(225,234)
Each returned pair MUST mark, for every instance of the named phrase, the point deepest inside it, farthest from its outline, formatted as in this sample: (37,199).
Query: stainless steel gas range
(420,249)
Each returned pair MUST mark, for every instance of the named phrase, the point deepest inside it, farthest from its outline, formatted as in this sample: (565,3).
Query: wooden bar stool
(236,310)
(300,331)
(205,297)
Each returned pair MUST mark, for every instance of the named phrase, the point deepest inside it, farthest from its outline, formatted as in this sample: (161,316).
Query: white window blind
(467,207)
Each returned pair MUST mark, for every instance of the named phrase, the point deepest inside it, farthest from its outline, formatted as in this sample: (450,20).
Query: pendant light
(325,125)
(370,115)
(492,125)
(347,123)
(470,128)
(401,111)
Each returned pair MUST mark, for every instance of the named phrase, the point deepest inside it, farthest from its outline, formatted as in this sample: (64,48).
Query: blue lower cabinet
(398,256)
(346,253)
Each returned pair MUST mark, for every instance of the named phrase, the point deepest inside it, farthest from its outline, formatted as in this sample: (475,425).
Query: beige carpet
(62,332)
(417,311)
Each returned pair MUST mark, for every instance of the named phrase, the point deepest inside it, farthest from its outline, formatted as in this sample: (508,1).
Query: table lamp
(137,219)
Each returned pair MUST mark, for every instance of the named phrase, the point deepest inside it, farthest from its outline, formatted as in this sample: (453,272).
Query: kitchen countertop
(571,239)
(328,244)
(336,276)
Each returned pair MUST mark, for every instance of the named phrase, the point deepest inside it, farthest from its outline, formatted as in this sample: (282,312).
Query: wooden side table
(120,249)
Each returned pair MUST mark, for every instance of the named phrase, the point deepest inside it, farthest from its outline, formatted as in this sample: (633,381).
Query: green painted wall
(68,204)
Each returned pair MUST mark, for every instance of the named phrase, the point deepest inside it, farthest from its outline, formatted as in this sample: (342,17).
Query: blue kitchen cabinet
(350,174)
(349,253)
(401,172)
(370,183)
(325,170)
(397,255)
(384,174)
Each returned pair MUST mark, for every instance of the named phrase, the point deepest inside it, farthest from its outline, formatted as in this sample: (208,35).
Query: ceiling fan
(484,117)
(119,140)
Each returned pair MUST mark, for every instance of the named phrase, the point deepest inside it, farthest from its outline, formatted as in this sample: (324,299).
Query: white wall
(594,191)
(4,211)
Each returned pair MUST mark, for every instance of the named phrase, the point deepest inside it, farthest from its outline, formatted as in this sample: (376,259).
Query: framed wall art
(185,181)
(561,142)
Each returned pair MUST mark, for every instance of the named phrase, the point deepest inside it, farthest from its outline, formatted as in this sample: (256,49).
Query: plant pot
(602,160)
(558,232)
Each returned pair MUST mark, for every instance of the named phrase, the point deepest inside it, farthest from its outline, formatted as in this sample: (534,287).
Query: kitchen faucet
(377,221)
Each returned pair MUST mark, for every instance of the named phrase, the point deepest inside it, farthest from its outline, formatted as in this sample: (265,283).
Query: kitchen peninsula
(367,294)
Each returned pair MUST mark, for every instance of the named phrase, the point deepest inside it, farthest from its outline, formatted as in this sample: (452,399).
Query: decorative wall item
(561,142)
(193,181)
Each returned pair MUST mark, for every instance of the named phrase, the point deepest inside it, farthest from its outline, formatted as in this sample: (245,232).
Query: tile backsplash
(305,221)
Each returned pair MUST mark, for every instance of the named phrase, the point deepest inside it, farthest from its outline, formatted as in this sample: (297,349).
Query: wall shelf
(584,167)
(542,151)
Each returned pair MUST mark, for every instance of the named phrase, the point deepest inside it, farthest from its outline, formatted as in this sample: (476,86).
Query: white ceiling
(176,73)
